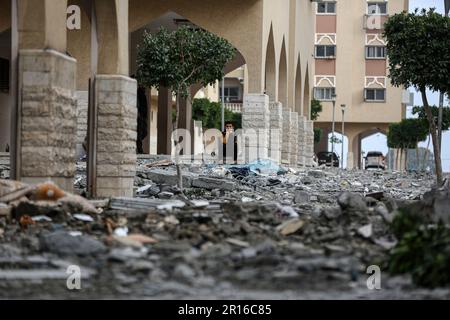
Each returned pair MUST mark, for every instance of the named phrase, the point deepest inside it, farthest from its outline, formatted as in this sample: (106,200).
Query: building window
(378,95)
(231,94)
(324,94)
(323,51)
(377,8)
(4,75)
(375,52)
(326,7)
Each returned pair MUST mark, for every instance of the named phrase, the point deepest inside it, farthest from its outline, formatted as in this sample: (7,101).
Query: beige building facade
(63,56)
(351,62)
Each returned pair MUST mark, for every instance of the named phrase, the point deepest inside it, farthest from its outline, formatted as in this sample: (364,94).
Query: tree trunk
(406,159)
(427,151)
(396,163)
(436,149)
(175,127)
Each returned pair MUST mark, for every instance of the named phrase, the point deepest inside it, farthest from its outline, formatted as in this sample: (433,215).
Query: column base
(116,135)
(256,128)
(286,145)
(276,123)
(48,117)
(293,139)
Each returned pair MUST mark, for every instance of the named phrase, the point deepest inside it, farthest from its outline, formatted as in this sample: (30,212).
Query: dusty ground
(290,236)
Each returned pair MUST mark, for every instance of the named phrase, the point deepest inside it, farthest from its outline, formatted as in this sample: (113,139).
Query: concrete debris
(257,229)
(213,184)
(62,243)
(290,227)
(83,217)
(366,231)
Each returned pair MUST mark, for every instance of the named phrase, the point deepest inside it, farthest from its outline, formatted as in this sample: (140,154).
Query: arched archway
(160,104)
(341,146)
(298,88)
(374,140)
(306,97)
(235,16)
(283,77)
(270,70)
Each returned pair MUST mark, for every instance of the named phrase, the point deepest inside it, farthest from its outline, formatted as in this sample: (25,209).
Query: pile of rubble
(255,231)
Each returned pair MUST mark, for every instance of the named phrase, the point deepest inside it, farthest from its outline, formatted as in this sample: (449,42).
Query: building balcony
(234,107)
(375,22)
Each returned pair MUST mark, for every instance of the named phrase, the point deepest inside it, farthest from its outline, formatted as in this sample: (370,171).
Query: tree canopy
(316,109)
(210,113)
(182,58)
(418,46)
(420,111)
(407,134)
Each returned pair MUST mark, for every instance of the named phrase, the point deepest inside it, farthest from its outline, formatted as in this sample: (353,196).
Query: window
(231,94)
(375,94)
(377,8)
(326,7)
(324,94)
(4,75)
(375,52)
(325,51)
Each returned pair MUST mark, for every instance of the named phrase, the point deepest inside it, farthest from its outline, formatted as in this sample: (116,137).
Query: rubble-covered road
(306,234)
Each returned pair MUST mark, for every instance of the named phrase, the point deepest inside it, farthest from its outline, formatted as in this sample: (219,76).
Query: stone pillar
(256,127)
(48,122)
(301,141)
(286,136)
(82,120)
(116,135)
(164,121)
(293,131)
(276,123)
(309,142)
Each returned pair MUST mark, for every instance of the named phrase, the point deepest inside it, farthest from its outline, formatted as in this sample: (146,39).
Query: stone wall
(82,120)
(286,136)
(309,143)
(48,117)
(256,127)
(293,138)
(301,142)
(116,135)
(276,123)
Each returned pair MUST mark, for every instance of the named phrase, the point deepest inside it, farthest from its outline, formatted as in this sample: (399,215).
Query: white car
(375,160)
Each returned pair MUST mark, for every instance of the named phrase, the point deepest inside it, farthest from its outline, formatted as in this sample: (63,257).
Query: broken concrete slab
(213,184)
(62,243)
(169,177)
(301,197)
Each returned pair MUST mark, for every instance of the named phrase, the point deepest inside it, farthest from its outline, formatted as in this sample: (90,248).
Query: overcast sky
(378,141)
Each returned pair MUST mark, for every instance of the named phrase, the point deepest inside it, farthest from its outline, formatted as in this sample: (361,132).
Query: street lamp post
(333,98)
(343,106)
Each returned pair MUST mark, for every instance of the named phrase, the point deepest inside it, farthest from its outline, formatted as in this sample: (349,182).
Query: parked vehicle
(375,160)
(327,158)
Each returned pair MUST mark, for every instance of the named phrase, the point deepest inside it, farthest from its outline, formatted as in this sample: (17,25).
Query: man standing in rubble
(230,147)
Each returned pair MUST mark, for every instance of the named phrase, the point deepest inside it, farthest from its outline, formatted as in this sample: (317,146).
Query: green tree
(418,46)
(210,113)
(421,113)
(407,134)
(318,133)
(316,109)
(180,59)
